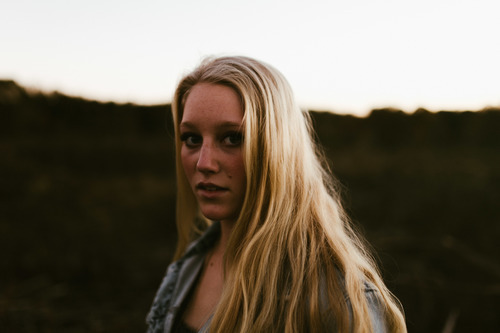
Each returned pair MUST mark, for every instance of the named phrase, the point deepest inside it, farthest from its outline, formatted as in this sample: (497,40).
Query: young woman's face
(211,151)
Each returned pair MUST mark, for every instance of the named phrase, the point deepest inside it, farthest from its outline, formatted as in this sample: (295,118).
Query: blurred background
(407,103)
(87,210)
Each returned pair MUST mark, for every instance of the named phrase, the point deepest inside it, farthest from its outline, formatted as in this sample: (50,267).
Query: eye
(233,139)
(191,139)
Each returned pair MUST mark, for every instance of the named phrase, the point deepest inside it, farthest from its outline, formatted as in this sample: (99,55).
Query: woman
(276,251)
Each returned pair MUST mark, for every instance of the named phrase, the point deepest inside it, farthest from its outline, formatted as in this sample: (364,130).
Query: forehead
(208,100)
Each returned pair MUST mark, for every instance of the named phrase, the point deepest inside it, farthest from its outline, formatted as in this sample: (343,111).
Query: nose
(207,159)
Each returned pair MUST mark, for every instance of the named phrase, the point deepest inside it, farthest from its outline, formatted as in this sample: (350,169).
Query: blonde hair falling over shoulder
(293,259)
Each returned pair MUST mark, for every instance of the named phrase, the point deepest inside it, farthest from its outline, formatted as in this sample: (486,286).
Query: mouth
(209,191)
(209,187)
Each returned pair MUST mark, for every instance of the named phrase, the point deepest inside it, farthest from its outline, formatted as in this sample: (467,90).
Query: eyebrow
(226,124)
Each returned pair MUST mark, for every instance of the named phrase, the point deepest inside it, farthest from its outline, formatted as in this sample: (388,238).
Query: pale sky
(346,56)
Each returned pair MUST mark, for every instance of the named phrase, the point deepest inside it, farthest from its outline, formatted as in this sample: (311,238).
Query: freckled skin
(211,152)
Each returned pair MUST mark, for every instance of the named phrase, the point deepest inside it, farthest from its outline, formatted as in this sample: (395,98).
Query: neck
(226,227)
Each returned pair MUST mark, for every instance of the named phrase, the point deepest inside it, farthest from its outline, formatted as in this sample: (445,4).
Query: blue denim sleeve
(377,311)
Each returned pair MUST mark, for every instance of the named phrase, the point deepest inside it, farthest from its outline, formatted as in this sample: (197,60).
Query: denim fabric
(178,281)
(181,275)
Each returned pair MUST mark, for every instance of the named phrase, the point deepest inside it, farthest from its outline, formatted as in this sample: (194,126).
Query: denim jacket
(181,276)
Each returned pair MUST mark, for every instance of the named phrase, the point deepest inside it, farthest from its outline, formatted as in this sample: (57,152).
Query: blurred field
(87,210)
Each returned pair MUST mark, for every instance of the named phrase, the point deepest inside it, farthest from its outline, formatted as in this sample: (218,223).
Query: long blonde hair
(292,249)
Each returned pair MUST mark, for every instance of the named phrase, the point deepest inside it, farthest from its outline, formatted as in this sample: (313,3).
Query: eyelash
(186,136)
(233,136)
(238,136)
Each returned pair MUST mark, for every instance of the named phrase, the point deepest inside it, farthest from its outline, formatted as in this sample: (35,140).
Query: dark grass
(87,210)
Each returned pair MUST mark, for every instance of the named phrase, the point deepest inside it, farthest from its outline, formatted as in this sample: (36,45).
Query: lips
(209,190)
(209,187)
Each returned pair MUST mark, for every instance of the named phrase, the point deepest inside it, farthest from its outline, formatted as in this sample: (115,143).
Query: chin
(217,215)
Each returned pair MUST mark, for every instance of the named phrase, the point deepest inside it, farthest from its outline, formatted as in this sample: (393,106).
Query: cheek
(188,162)
(239,173)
